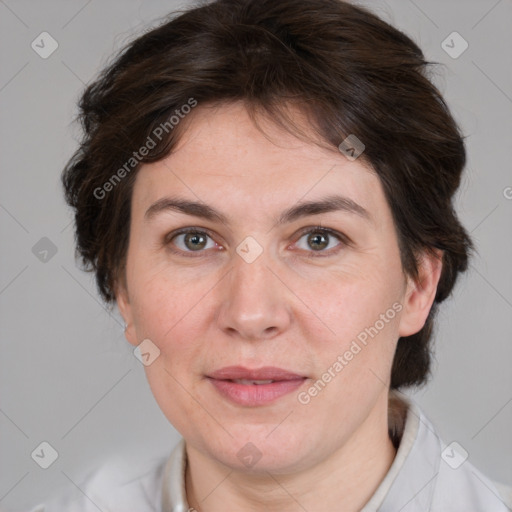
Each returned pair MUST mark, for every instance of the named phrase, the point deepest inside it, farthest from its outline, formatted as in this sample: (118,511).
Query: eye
(321,240)
(190,240)
(318,240)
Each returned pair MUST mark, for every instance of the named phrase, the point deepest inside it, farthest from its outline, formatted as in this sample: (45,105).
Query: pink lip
(254,394)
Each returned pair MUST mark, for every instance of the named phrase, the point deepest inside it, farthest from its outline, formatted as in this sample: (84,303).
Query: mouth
(251,388)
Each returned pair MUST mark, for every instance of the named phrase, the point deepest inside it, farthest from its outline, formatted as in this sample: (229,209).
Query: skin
(213,309)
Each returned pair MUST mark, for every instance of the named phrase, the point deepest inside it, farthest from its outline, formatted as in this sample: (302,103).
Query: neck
(346,480)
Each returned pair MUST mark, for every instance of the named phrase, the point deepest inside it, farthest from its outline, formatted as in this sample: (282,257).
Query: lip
(264,373)
(253,395)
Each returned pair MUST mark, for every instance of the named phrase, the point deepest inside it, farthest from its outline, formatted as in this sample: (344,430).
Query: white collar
(415,466)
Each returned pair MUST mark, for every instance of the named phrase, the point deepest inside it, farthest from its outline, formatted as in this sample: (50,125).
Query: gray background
(67,375)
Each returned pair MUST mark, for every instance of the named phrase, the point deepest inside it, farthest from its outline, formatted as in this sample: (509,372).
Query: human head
(344,69)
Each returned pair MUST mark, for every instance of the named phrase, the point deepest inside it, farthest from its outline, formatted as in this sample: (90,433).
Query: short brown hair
(346,69)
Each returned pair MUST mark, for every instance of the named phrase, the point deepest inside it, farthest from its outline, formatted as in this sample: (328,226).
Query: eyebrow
(197,209)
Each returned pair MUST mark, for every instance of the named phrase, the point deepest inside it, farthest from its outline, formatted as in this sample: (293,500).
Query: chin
(258,452)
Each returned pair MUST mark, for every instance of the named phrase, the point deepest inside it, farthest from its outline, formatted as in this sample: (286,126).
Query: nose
(255,304)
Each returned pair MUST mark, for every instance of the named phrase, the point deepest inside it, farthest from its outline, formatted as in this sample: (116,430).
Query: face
(317,293)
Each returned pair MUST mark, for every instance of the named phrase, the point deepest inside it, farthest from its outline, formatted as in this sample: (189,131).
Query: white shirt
(425,476)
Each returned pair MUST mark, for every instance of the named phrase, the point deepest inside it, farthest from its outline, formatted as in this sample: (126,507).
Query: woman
(265,189)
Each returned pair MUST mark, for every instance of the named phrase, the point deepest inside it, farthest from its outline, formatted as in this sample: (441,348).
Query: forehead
(224,159)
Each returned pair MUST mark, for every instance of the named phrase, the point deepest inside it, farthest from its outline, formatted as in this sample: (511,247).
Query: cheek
(359,316)
(170,312)
(160,298)
(166,315)
(347,302)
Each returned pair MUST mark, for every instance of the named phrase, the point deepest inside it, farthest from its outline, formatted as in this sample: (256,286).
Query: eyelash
(343,239)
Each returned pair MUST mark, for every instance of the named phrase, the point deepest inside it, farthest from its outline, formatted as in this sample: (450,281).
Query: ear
(420,293)
(125,308)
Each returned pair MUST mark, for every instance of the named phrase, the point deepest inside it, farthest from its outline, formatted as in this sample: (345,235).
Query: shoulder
(468,488)
(458,484)
(114,487)
(505,492)
(427,474)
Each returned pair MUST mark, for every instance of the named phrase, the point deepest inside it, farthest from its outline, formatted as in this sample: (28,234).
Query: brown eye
(318,241)
(195,241)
